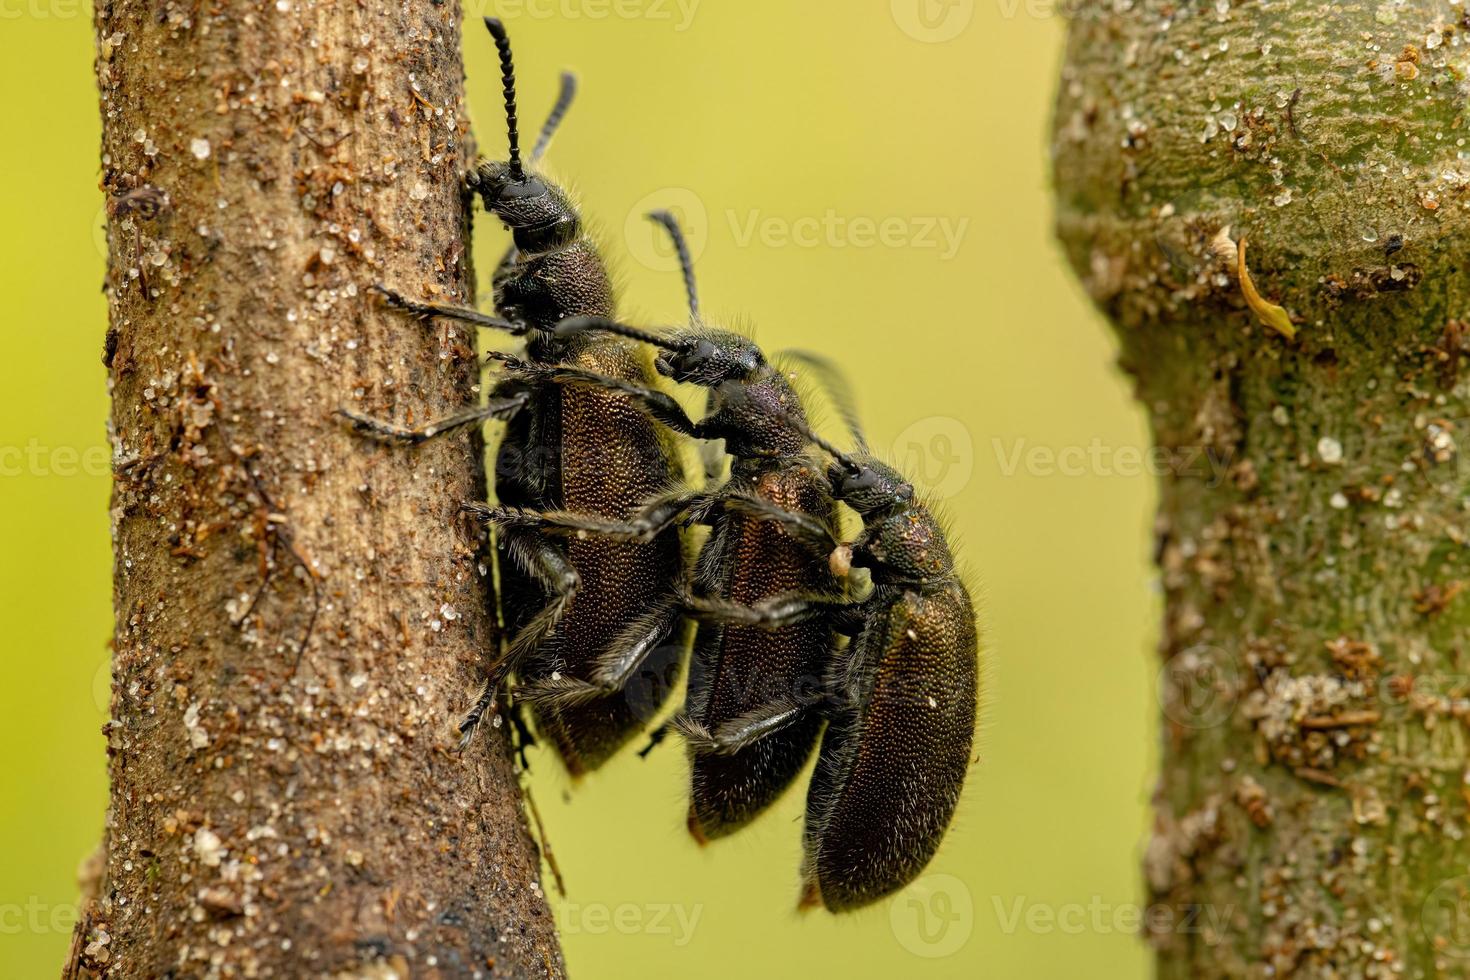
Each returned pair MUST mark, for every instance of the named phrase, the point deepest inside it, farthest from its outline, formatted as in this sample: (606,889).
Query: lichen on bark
(300,615)
(1311,811)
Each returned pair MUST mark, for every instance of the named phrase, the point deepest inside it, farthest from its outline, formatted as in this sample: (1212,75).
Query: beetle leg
(655,738)
(615,668)
(743,731)
(565,691)
(660,404)
(785,609)
(617,665)
(497,408)
(544,560)
(428,311)
(806,529)
(850,620)
(653,520)
(523,737)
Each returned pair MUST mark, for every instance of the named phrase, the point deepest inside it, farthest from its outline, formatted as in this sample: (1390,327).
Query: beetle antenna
(834,382)
(581,324)
(564,97)
(508,81)
(735,392)
(848,463)
(686,264)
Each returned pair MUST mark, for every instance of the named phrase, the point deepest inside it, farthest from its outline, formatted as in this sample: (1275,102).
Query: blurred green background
(866,178)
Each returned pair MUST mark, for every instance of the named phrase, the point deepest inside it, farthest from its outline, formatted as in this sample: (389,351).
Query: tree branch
(1311,810)
(301,615)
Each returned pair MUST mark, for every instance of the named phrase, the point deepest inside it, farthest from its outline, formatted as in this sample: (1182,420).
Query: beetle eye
(521,190)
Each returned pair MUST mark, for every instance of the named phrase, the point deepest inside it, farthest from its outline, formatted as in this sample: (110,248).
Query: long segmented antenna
(686,264)
(508,81)
(581,324)
(848,463)
(564,97)
(836,385)
(733,392)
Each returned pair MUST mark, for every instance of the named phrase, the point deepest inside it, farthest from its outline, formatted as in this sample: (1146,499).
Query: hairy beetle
(900,701)
(736,667)
(567,602)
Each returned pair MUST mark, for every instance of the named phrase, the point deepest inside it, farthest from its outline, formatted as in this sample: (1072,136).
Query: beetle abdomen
(612,459)
(895,755)
(741,668)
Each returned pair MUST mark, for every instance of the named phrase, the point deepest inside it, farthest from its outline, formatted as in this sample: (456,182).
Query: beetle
(566,602)
(900,701)
(735,667)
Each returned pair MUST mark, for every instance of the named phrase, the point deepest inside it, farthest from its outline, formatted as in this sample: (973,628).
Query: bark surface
(1311,812)
(301,615)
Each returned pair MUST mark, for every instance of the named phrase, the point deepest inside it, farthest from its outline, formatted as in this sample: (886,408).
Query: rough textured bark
(1312,807)
(300,615)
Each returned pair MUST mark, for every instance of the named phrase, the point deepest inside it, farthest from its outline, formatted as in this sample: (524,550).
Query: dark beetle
(902,716)
(568,602)
(900,701)
(736,668)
